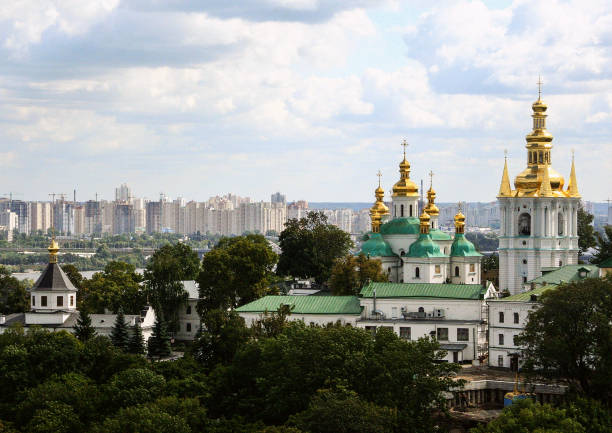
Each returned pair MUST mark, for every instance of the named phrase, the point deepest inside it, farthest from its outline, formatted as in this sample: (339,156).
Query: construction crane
(11,194)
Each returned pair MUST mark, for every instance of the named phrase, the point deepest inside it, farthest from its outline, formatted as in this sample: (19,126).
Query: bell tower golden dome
(539,145)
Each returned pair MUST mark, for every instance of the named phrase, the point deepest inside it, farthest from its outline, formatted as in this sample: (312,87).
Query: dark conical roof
(53,278)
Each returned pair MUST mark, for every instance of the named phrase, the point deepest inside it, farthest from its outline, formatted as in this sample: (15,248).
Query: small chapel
(411,247)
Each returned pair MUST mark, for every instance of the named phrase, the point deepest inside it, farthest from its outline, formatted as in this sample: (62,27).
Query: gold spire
(53,250)
(405,187)
(431,208)
(504,189)
(539,146)
(572,186)
(459,220)
(424,218)
(545,189)
(379,208)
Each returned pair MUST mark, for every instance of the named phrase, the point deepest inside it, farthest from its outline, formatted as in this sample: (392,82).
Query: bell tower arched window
(402,210)
(417,272)
(524,224)
(456,271)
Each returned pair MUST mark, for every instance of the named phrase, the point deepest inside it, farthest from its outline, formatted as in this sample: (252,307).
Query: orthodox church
(414,249)
(538,219)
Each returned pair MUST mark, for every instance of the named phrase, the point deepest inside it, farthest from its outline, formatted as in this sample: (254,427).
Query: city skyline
(310,97)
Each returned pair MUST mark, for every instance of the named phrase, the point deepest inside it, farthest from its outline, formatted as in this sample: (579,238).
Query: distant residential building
(123,193)
(93,217)
(40,216)
(153,216)
(9,221)
(124,221)
(79,220)
(278,198)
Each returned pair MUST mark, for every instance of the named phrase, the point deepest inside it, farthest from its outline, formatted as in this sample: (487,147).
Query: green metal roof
(423,290)
(526,296)
(376,246)
(566,273)
(401,226)
(439,235)
(462,247)
(424,247)
(305,304)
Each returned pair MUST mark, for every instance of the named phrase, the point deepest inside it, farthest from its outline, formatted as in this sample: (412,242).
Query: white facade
(189,319)
(506,321)
(535,233)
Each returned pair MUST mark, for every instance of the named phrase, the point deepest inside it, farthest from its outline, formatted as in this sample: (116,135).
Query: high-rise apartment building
(123,193)
(124,221)
(40,216)
(278,198)
(153,217)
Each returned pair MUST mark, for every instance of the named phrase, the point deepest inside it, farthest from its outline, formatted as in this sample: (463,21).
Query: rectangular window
(72,301)
(501,317)
(188,309)
(516,317)
(394,312)
(501,339)
(500,361)
(60,301)
(472,267)
(442,334)
(33,301)
(189,327)
(405,332)
(514,342)
(437,269)
(43,301)
(463,334)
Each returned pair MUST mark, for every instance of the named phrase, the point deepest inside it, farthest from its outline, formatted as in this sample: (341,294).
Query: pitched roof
(566,273)
(305,304)
(423,290)
(526,296)
(53,278)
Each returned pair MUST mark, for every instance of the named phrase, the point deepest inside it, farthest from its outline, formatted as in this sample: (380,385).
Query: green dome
(376,246)
(401,226)
(424,247)
(439,235)
(462,247)
(365,237)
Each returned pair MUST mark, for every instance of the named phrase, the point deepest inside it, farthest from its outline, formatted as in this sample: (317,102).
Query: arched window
(417,272)
(410,210)
(401,210)
(560,263)
(421,310)
(560,223)
(524,224)
(456,271)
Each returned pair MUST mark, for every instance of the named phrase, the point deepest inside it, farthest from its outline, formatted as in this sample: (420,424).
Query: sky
(197,98)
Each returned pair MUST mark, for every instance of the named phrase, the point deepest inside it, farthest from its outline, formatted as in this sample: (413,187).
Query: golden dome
(431,208)
(424,218)
(459,222)
(53,250)
(405,187)
(539,146)
(379,208)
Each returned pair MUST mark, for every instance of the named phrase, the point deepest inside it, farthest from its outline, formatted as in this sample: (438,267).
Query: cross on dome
(405,145)
(539,83)
(379,174)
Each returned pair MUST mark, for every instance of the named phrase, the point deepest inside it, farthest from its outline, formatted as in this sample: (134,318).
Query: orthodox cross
(539,83)
(379,174)
(505,153)
(431,173)
(405,144)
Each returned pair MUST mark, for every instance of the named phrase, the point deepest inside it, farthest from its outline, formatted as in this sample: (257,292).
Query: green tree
(604,246)
(57,417)
(73,275)
(490,262)
(224,332)
(270,379)
(119,332)
(528,416)
(351,273)
(586,237)
(342,411)
(158,345)
(570,336)
(272,323)
(168,266)
(310,246)
(135,386)
(143,419)
(236,271)
(118,286)
(136,343)
(13,295)
(83,329)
